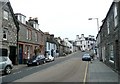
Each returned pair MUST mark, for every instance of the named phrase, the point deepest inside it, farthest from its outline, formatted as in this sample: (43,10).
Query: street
(65,69)
(68,68)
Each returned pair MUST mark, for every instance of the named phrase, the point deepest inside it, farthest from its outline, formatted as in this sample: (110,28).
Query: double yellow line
(85,76)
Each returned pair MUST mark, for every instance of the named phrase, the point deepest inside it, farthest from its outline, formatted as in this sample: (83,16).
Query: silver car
(5,65)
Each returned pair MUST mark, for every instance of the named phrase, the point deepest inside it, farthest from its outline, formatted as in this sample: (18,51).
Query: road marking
(19,72)
(16,68)
(86,69)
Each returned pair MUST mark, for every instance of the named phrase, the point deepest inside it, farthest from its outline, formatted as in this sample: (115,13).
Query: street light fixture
(97,22)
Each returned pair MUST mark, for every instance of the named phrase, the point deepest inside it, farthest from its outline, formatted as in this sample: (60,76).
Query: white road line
(19,71)
(14,73)
(16,68)
(86,69)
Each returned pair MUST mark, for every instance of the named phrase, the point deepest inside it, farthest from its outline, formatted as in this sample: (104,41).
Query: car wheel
(8,70)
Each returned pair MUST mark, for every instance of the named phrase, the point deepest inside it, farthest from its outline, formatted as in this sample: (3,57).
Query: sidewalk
(99,72)
(19,66)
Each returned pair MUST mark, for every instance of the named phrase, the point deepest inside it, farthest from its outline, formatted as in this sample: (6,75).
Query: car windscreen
(86,56)
(34,57)
(3,52)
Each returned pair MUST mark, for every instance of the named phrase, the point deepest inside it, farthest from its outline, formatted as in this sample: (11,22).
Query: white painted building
(85,43)
(69,45)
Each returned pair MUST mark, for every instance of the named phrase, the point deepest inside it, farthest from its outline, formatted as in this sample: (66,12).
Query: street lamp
(97,22)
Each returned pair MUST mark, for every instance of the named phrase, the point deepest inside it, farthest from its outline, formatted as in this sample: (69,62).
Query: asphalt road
(64,69)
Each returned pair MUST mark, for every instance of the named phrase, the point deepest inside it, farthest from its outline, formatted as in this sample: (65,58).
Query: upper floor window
(4,34)
(5,15)
(30,34)
(36,36)
(27,33)
(115,16)
(36,26)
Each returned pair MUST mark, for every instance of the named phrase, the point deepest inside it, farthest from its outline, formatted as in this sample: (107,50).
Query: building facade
(85,43)
(9,28)
(51,45)
(109,45)
(31,38)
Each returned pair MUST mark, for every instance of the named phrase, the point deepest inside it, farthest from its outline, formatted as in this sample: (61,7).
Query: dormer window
(36,26)
(5,14)
(21,18)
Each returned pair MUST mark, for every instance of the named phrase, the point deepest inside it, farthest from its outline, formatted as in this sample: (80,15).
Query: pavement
(100,73)
(19,66)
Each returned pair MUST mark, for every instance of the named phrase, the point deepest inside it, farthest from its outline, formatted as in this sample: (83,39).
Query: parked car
(6,65)
(86,57)
(49,58)
(36,60)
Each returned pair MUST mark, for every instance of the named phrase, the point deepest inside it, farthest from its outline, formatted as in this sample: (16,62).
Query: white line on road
(19,71)
(86,69)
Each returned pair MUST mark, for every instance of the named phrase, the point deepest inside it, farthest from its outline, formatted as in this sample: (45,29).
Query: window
(27,33)
(3,52)
(81,42)
(115,16)
(48,45)
(4,34)
(30,34)
(111,57)
(5,15)
(36,26)
(36,36)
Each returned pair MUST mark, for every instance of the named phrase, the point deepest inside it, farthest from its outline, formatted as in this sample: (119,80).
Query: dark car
(86,57)
(36,60)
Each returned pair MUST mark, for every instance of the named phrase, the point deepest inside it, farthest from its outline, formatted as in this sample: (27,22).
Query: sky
(64,18)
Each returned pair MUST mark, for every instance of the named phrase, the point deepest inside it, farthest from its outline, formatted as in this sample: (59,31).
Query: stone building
(9,28)
(109,45)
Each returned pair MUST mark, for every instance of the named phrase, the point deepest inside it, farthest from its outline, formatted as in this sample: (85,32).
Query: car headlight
(34,61)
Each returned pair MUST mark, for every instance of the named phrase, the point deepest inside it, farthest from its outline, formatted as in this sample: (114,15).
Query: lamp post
(96,50)
(97,22)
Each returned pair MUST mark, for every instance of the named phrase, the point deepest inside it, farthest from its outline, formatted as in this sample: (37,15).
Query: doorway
(12,54)
(20,53)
